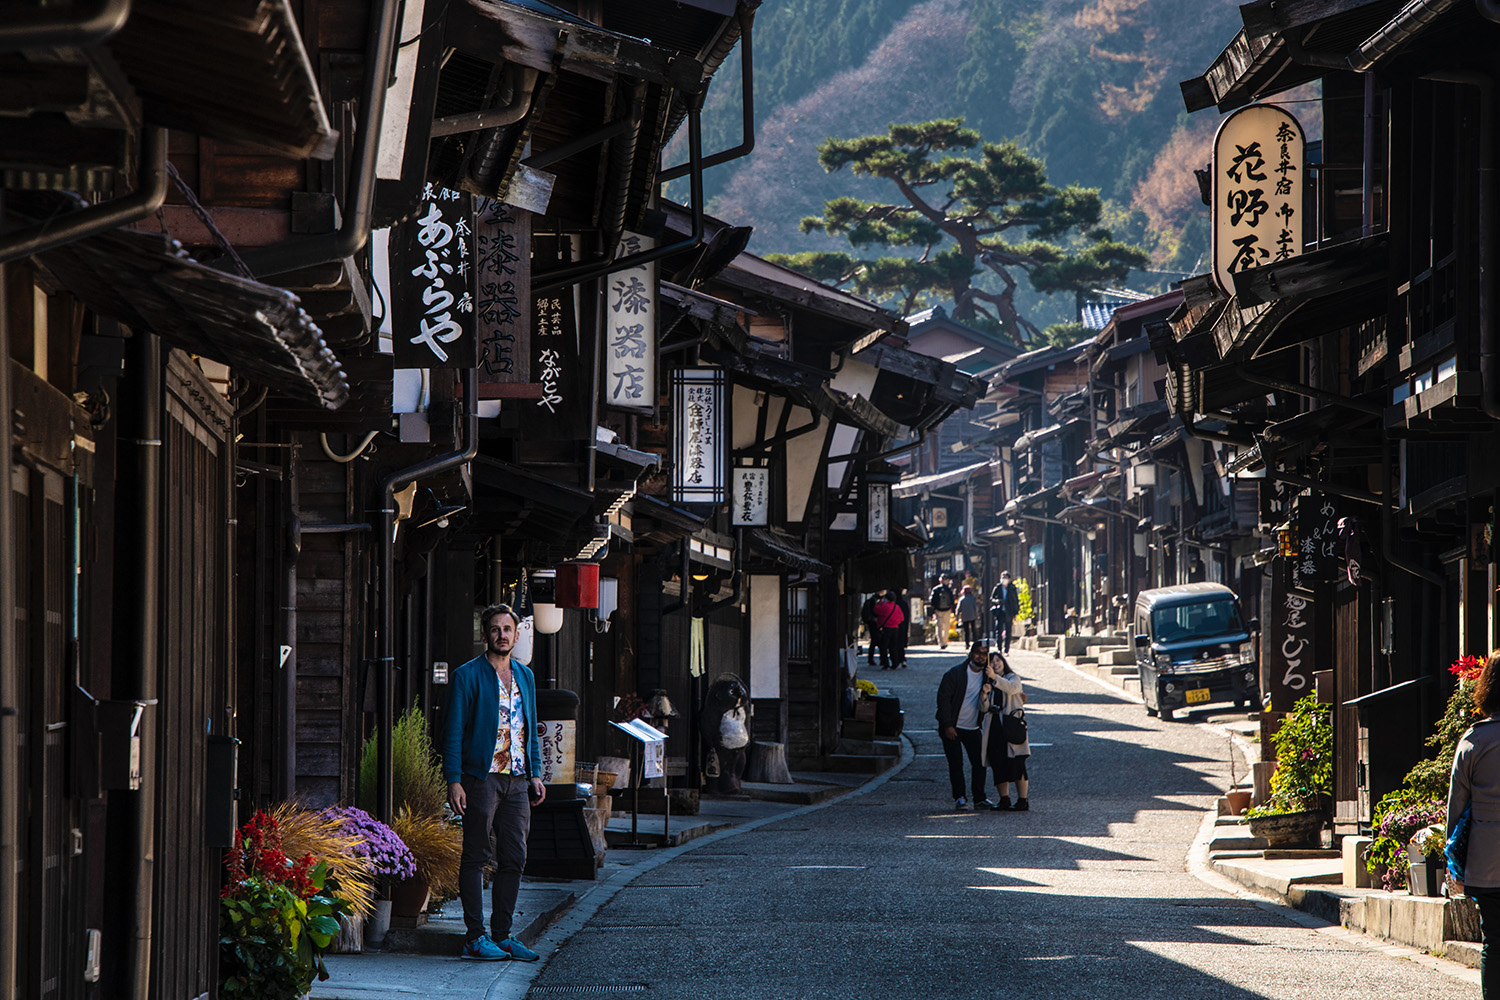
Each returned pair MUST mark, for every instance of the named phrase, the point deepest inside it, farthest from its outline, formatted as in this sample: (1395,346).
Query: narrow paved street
(892,894)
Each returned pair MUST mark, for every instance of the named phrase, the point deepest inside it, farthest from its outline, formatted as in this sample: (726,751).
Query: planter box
(864,710)
(1426,877)
(1287,829)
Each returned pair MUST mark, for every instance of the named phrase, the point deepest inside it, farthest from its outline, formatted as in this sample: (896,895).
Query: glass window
(1197,620)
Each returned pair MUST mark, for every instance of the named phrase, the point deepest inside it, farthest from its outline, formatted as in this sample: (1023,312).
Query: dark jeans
(1004,626)
(498,805)
(1489,931)
(885,641)
(969,742)
(971,631)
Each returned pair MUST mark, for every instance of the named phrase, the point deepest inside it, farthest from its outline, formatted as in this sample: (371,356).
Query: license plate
(1196,695)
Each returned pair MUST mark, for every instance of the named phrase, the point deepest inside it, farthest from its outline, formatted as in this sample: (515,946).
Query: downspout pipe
(684,597)
(578,273)
(523,85)
(77,25)
(150,193)
(354,231)
(1489,338)
(10,763)
(1410,21)
(286,778)
(1297,389)
(385,596)
(747,108)
(137,628)
(1388,522)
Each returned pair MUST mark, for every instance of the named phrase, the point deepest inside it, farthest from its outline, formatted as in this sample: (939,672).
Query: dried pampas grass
(307,831)
(437,846)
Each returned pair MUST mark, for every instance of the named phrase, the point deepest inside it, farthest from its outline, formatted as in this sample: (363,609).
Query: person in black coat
(901,635)
(960,724)
(1005,605)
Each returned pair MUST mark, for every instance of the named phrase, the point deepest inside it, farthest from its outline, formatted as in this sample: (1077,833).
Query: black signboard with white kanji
(562,409)
(1318,549)
(432,273)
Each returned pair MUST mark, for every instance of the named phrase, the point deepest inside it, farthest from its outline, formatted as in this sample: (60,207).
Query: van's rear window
(1200,619)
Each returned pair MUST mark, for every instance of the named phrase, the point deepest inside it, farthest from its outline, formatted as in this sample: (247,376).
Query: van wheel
(1240,702)
(1151,711)
(1166,714)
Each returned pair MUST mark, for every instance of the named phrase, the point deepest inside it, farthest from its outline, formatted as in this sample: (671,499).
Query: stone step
(1117,657)
(537,907)
(1082,661)
(1073,645)
(1130,671)
(876,748)
(849,763)
(1462,952)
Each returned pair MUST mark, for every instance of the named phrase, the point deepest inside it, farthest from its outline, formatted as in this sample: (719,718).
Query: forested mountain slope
(1088,85)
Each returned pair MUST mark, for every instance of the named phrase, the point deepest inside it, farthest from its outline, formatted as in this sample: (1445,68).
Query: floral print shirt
(510,735)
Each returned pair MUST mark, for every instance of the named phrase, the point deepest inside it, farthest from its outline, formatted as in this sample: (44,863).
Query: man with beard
(491,756)
(960,721)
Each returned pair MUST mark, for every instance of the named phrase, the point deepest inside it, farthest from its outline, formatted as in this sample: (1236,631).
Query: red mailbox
(578,585)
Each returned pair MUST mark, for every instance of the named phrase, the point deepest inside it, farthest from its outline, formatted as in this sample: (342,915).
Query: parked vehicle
(1193,647)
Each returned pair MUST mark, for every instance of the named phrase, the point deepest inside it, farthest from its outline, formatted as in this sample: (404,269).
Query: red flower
(1467,668)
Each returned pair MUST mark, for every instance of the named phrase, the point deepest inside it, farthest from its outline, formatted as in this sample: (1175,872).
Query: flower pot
(1287,829)
(1238,799)
(864,710)
(409,897)
(1426,875)
(378,923)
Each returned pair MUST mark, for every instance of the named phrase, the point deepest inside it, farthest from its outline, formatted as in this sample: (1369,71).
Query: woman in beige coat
(1002,689)
(1475,783)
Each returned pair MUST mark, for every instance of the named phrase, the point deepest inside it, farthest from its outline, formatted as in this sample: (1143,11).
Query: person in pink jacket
(888,618)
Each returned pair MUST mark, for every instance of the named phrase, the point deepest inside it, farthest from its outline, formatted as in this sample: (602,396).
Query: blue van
(1192,647)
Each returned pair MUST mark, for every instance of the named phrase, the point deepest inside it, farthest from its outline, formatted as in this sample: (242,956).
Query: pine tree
(962,214)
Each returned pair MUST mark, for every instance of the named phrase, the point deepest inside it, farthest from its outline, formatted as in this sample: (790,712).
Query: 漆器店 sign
(698,435)
(630,331)
(1258,177)
(750,497)
(878,512)
(501,291)
(432,304)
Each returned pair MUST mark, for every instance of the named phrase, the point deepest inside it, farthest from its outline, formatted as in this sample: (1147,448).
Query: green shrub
(416,772)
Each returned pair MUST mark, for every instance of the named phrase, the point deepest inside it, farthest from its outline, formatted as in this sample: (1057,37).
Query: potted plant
(1421,800)
(864,706)
(390,860)
(1303,781)
(309,831)
(1428,868)
(437,847)
(276,917)
(1237,799)
(1025,611)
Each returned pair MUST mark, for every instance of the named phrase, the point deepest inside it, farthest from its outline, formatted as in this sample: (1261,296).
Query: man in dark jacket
(867,617)
(1005,604)
(960,724)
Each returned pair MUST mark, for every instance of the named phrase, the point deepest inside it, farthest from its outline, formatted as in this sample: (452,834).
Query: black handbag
(1015,727)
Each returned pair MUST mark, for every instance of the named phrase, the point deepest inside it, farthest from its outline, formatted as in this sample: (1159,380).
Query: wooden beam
(1264,17)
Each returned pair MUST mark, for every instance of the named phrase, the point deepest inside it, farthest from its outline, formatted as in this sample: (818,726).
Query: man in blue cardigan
(491,761)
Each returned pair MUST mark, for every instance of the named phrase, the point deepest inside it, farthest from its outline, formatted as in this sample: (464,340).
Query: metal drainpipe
(78,25)
(385,618)
(10,772)
(578,273)
(150,192)
(140,448)
(1396,32)
(287,693)
(684,597)
(1388,520)
(523,85)
(354,232)
(747,107)
(1367,174)
(1489,338)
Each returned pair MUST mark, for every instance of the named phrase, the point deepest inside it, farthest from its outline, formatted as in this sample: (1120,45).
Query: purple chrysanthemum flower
(380,844)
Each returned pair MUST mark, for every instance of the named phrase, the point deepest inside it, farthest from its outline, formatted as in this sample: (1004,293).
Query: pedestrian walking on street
(1475,785)
(1006,759)
(490,756)
(940,602)
(901,636)
(961,726)
(968,614)
(867,618)
(888,617)
(1005,605)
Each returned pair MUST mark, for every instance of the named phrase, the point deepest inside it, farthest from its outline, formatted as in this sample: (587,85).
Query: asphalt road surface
(893,894)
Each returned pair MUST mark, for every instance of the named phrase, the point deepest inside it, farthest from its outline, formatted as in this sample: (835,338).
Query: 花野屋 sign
(750,497)
(630,331)
(1258,177)
(432,303)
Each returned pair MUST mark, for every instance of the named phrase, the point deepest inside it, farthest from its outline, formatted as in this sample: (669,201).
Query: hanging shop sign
(432,273)
(501,279)
(877,512)
(1289,645)
(1258,176)
(698,435)
(750,497)
(630,331)
(560,409)
(1317,541)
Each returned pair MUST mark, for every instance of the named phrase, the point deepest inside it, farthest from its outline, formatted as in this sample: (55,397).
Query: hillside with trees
(1089,87)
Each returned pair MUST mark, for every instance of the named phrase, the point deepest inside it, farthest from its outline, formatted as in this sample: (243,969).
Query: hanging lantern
(1286,539)
(544,610)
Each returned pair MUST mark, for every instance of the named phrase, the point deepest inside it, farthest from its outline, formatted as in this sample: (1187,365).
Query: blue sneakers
(515,950)
(482,949)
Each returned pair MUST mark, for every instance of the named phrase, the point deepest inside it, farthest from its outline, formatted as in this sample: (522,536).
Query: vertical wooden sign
(502,286)
(432,269)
